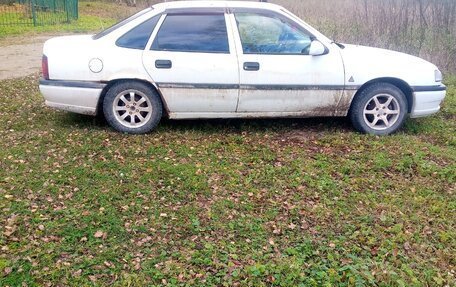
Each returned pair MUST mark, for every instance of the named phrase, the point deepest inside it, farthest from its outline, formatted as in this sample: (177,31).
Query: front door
(278,77)
(193,61)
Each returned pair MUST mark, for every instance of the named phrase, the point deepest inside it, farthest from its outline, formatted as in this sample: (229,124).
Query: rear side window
(137,37)
(120,24)
(193,33)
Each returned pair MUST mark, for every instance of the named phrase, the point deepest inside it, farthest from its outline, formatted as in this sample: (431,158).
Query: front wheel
(132,107)
(380,109)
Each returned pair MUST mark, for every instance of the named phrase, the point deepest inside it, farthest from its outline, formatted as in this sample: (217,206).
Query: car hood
(366,63)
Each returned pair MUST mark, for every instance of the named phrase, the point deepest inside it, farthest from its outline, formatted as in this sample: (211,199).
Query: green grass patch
(93,17)
(85,24)
(299,202)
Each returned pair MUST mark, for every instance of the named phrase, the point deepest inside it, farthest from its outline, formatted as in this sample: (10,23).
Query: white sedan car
(226,59)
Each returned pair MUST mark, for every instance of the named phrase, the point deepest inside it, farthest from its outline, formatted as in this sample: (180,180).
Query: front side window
(193,33)
(137,37)
(269,34)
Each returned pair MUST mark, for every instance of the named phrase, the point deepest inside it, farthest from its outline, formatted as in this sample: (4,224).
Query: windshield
(120,24)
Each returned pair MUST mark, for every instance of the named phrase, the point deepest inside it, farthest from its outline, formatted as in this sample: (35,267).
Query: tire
(132,107)
(380,109)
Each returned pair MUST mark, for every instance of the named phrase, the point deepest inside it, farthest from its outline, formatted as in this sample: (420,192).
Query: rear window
(137,37)
(120,24)
(205,33)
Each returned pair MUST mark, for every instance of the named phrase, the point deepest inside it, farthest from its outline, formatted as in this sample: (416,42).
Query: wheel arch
(111,83)
(400,84)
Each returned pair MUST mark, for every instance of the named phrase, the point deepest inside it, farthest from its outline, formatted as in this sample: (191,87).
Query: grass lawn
(302,202)
(93,17)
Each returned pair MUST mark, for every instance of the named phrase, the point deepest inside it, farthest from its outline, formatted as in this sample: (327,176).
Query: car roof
(215,4)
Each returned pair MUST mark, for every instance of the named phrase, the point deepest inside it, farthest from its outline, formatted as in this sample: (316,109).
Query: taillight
(45,67)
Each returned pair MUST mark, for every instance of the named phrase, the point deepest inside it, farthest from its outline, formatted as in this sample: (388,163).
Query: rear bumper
(427,101)
(73,96)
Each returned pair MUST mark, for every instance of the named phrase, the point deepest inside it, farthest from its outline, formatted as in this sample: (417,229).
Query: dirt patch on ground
(298,137)
(21,56)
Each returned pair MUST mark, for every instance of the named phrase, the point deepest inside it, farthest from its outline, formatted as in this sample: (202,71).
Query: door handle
(251,66)
(163,64)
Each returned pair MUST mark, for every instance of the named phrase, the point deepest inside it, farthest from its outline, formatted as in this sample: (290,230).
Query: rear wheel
(380,109)
(132,107)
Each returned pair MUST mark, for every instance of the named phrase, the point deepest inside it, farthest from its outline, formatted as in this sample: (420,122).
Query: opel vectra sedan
(226,59)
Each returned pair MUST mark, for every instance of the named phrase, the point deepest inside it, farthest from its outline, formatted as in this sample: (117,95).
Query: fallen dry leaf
(8,270)
(407,246)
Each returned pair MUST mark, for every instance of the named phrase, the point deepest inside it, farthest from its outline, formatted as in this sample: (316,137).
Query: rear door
(193,61)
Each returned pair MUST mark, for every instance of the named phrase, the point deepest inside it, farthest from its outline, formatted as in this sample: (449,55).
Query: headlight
(438,76)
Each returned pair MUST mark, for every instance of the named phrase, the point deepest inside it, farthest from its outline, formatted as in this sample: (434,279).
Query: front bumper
(427,101)
(73,96)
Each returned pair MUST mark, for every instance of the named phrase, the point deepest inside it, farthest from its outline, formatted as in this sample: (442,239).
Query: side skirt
(182,116)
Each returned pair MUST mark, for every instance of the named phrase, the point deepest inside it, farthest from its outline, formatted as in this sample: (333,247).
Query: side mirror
(317,48)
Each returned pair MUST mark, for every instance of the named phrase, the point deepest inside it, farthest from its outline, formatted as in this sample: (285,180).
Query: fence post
(66,9)
(32,3)
(69,7)
(76,8)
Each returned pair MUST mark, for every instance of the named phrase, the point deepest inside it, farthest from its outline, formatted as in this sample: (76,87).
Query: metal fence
(37,12)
